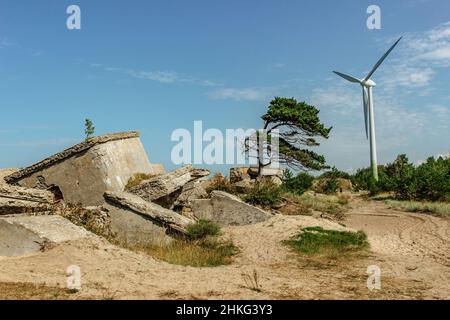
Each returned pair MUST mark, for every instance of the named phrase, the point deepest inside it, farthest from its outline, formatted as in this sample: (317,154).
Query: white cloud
(343,100)
(167,77)
(419,55)
(250,94)
(159,76)
(4,43)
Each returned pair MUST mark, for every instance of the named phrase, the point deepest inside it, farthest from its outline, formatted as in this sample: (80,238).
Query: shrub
(265,194)
(432,180)
(298,184)
(428,181)
(330,184)
(221,183)
(201,229)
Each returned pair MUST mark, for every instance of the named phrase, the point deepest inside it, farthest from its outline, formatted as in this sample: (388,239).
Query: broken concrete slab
(85,171)
(24,234)
(191,191)
(6,172)
(227,209)
(162,216)
(166,184)
(16,200)
(130,227)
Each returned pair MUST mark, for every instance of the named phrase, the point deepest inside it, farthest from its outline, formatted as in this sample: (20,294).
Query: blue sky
(155,66)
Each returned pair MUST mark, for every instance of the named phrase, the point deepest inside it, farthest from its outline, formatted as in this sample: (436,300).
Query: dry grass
(331,204)
(137,178)
(220,183)
(30,291)
(208,252)
(251,281)
(439,208)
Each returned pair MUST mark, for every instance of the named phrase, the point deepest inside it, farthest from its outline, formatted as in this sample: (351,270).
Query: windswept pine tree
(296,126)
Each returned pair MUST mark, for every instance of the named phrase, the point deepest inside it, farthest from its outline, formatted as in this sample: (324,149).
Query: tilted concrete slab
(85,171)
(21,234)
(166,184)
(16,200)
(227,209)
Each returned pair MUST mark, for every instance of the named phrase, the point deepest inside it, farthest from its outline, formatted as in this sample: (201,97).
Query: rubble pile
(87,184)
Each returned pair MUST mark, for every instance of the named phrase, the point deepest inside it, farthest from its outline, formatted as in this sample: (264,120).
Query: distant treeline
(427,181)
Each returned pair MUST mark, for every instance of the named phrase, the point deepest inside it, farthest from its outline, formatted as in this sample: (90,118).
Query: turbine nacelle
(368,83)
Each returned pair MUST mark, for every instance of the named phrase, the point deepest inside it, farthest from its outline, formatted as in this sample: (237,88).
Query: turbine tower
(367,84)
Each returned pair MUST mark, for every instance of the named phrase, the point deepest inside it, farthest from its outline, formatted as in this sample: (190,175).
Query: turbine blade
(348,77)
(375,67)
(365,107)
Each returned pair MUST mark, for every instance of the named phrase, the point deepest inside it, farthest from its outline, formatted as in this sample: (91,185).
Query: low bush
(221,183)
(265,194)
(201,229)
(296,184)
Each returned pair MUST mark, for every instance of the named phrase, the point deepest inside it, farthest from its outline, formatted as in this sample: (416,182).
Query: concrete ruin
(17,200)
(87,184)
(84,172)
(21,234)
(165,189)
(228,210)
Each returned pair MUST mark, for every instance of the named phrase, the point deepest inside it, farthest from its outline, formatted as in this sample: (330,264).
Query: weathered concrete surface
(6,172)
(159,215)
(85,171)
(16,200)
(24,234)
(191,191)
(166,184)
(226,209)
(131,227)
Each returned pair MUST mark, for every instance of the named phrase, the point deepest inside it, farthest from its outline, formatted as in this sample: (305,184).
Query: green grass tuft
(332,243)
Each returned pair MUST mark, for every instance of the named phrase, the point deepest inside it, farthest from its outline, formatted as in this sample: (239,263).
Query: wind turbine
(367,84)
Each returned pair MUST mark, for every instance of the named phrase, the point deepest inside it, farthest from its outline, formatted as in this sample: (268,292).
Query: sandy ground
(412,250)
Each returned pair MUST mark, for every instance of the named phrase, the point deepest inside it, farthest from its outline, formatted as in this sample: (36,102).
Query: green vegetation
(331,243)
(331,183)
(88,128)
(297,124)
(201,229)
(298,184)
(264,194)
(429,181)
(439,208)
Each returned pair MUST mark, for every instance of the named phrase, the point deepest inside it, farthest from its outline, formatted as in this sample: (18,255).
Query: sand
(412,251)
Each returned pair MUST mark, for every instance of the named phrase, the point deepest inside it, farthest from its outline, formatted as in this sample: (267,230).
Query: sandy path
(412,245)
(412,267)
